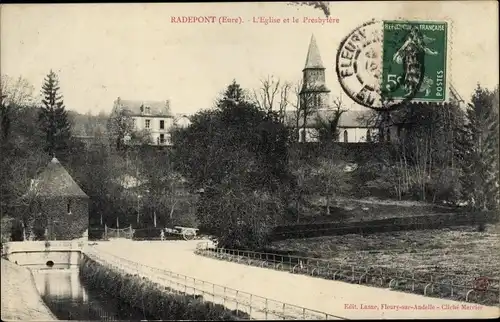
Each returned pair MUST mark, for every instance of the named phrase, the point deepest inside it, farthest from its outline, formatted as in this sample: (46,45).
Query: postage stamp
(415,49)
(382,64)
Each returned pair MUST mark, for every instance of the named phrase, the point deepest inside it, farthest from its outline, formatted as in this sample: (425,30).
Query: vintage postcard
(305,160)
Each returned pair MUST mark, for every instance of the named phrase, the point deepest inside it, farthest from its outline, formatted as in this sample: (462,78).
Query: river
(69,299)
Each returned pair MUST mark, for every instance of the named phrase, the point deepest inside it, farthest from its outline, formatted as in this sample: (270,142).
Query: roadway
(346,300)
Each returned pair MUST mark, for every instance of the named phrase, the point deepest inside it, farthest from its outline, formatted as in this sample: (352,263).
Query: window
(162,124)
(162,138)
(368,136)
(345,136)
(316,101)
(148,124)
(148,110)
(302,135)
(69,207)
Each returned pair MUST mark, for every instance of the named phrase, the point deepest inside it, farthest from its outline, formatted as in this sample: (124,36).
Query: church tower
(314,93)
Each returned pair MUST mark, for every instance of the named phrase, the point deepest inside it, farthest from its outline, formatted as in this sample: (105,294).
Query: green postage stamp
(419,50)
(383,64)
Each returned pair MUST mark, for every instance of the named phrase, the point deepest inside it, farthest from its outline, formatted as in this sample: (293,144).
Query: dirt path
(20,299)
(337,298)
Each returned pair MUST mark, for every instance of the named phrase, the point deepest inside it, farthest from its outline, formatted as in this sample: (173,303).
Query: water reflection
(66,296)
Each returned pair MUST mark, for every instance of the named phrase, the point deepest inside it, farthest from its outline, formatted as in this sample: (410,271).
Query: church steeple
(314,91)
(313,60)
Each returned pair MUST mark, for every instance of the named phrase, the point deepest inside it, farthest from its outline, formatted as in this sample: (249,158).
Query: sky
(134,51)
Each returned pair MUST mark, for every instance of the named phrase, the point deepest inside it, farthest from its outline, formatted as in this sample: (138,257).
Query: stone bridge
(45,254)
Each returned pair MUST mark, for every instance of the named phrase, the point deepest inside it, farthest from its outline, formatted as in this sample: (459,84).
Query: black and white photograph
(300,160)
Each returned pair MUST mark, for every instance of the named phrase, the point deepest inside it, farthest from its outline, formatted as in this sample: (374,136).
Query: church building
(315,100)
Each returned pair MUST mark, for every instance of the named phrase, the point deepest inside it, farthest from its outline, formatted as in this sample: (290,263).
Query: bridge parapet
(43,246)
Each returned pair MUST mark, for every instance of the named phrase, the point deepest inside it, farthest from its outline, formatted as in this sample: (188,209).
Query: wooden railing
(477,289)
(257,307)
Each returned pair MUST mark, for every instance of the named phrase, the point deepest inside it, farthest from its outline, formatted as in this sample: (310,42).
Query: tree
(122,132)
(53,116)
(166,197)
(328,123)
(236,152)
(479,151)
(304,107)
(14,94)
(273,95)
(329,179)
(20,156)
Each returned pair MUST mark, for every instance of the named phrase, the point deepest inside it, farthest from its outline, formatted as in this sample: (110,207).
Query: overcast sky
(102,51)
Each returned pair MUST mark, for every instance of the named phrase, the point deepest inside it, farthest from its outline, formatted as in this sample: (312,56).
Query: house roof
(313,59)
(138,107)
(127,181)
(361,119)
(55,181)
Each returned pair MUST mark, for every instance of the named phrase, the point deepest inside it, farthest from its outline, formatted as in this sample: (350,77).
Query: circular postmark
(381,70)
(481,283)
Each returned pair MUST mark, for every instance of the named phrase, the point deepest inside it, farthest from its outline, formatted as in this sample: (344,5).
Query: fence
(381,225)
(257,307)
(477,289)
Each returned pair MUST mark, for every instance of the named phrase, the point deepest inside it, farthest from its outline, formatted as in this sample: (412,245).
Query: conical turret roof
(313,59)
(55,181)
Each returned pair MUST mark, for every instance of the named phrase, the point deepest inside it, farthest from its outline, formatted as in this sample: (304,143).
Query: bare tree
(273,95)
(14,94)
(304,106)
(328,122)
(332,178)
(23,189)
(120,124)
(297,113)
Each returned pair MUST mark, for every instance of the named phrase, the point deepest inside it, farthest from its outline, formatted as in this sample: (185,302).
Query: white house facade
(153,117)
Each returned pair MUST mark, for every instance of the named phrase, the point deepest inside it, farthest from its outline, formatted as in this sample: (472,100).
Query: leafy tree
(237,152)
(479,151)
(53,116)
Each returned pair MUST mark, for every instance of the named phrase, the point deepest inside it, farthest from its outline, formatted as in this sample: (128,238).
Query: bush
(156,301)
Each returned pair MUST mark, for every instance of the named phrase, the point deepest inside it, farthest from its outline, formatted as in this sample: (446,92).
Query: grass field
(348,210)
(460,250)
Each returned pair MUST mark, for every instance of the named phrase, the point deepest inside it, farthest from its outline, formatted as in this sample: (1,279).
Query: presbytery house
(57,208)
(154,118)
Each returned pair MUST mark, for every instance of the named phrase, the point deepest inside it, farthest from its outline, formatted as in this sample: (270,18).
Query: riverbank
(154,300)
(20,298)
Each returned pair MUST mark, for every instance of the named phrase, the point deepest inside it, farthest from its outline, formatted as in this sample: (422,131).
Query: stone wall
(61,224)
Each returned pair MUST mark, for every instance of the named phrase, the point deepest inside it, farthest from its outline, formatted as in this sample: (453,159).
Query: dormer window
(148,110)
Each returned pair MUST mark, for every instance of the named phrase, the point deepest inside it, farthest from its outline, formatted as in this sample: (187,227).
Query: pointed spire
(313,59)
